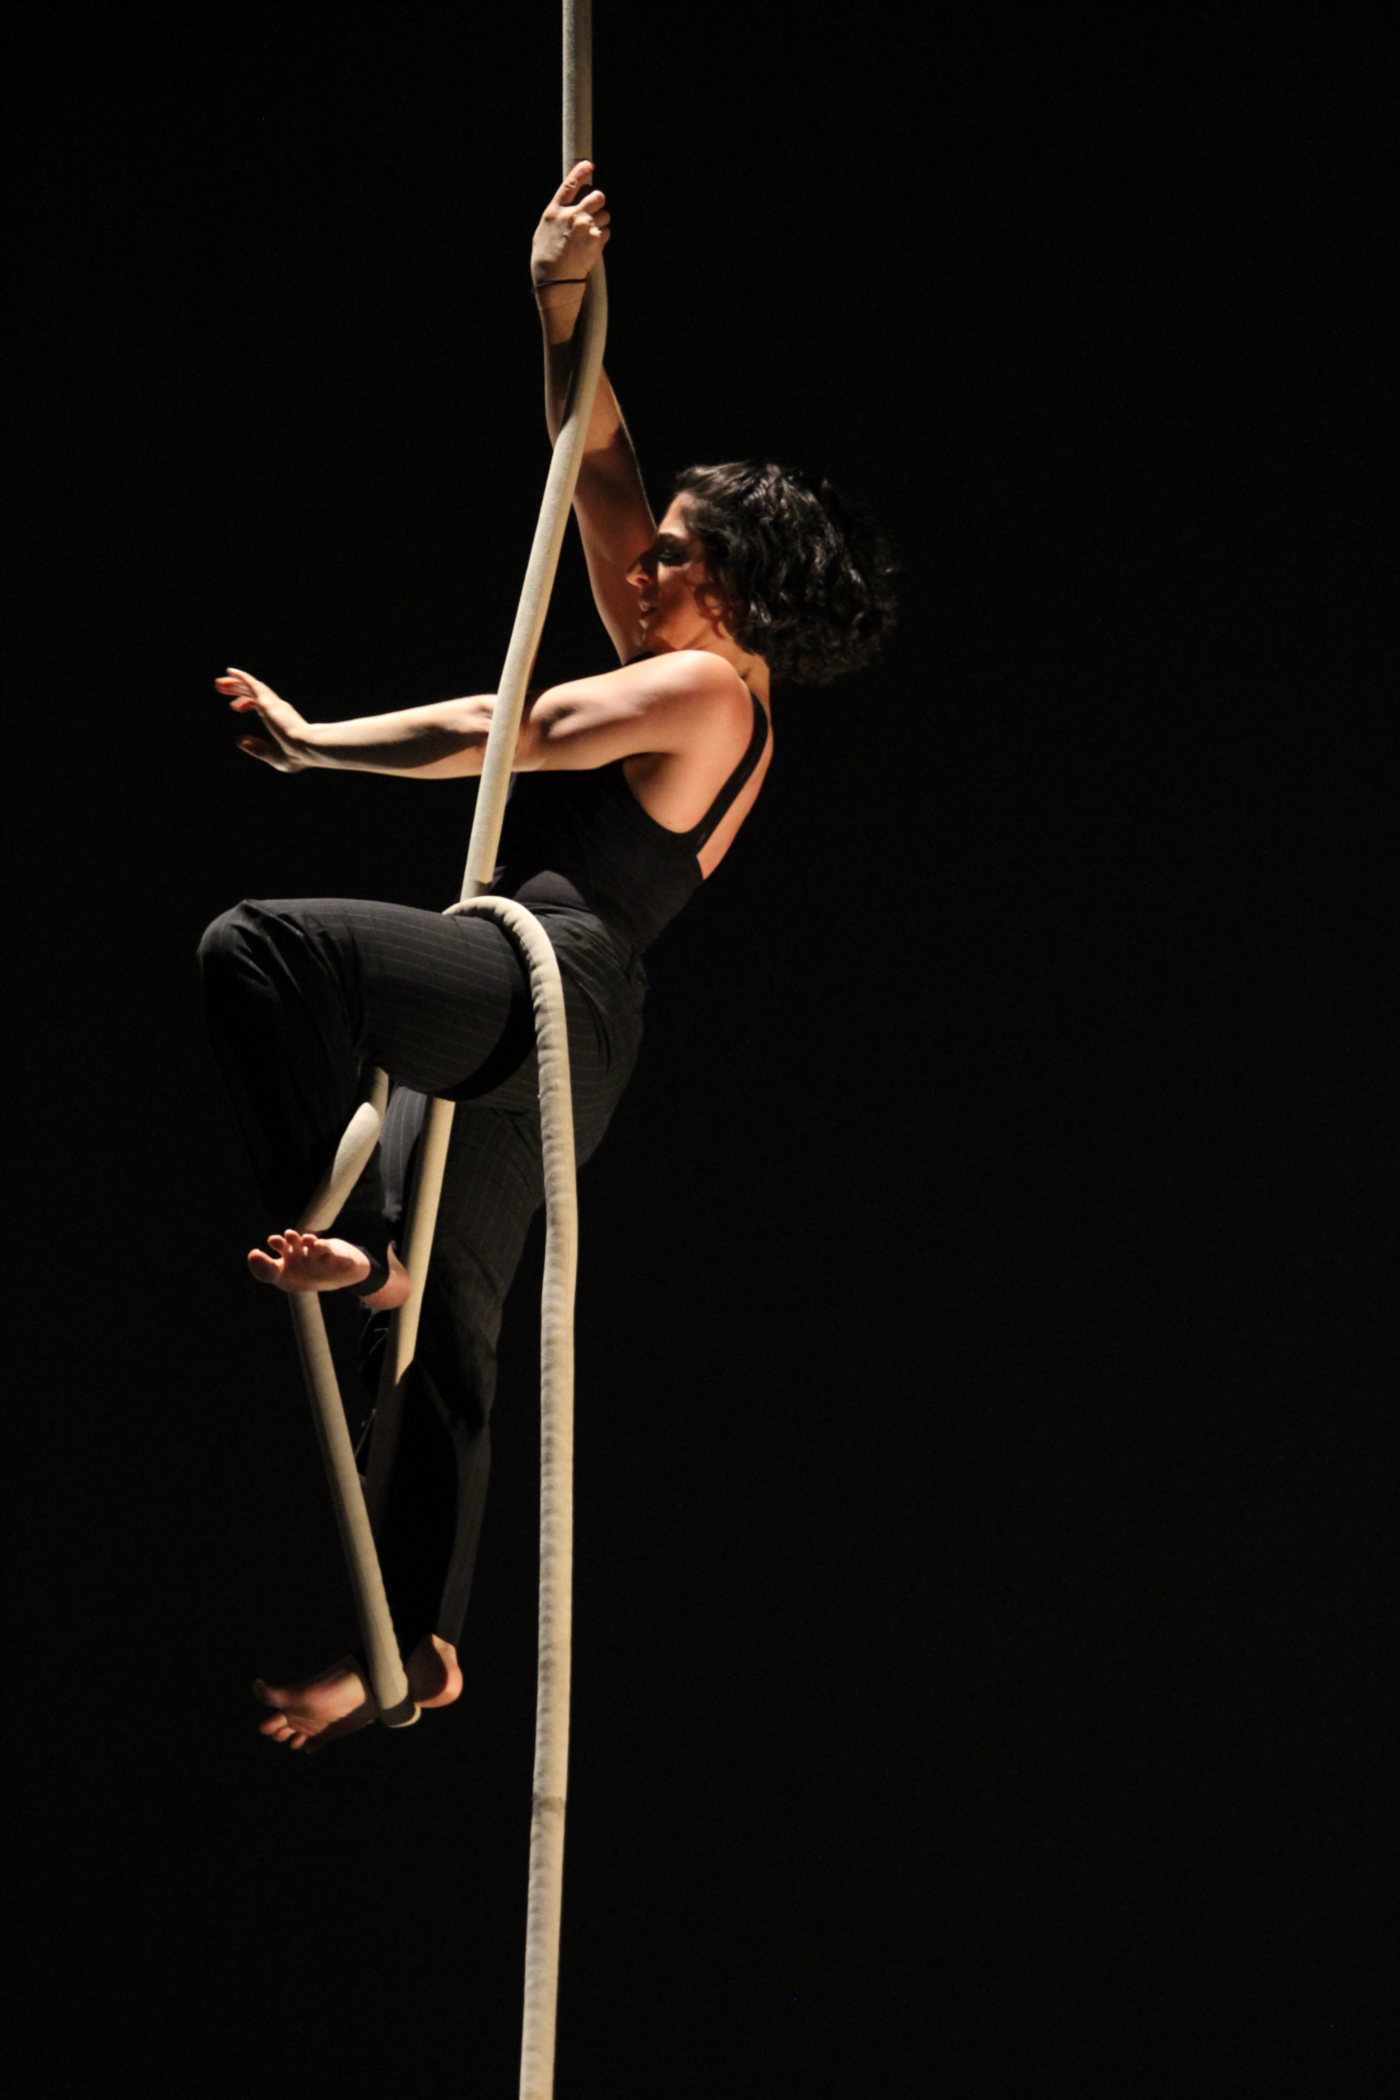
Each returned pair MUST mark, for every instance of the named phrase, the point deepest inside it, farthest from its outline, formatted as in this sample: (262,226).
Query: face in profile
(678,606)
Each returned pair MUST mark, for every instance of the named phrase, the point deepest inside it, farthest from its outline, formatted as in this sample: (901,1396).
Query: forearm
(610,503)
(559,309)
(444,741)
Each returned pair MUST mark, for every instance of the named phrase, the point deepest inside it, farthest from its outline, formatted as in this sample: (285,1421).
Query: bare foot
(434,1677)
(303,1261)
(317,1710)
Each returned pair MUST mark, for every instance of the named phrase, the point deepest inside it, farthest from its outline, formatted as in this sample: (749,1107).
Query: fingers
(573,197)
(590,212)
(593,226)
(242,690)
(573,181)
(574,230)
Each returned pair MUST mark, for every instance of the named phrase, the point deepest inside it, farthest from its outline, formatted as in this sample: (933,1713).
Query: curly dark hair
(805,578)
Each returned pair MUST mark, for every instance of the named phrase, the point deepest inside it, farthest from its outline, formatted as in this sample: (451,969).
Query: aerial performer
(632,786)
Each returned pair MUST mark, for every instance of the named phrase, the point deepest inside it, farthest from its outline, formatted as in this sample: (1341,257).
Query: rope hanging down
(357,1510)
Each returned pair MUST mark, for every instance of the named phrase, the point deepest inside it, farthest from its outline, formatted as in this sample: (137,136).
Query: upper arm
(614,516)
(680,704)
(616,526)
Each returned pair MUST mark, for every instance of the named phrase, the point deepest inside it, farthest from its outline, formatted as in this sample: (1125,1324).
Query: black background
(985,1596)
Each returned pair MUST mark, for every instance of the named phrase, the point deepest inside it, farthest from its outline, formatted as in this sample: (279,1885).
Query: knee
(223,942)
(238,944)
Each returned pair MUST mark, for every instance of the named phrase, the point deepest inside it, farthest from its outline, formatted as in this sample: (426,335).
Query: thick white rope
(353,1506)
(546,1884)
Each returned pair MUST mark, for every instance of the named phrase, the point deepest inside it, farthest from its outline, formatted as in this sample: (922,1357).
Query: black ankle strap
(378,1271)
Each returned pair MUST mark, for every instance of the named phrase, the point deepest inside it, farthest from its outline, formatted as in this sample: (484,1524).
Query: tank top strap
(736,783)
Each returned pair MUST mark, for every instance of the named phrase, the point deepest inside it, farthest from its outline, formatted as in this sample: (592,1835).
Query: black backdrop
(985,1585)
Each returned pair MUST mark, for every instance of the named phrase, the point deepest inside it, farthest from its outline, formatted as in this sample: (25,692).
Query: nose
(643,569)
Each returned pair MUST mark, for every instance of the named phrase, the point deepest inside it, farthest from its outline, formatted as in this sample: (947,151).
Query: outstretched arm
(684,704)
(615,520)
(438,742)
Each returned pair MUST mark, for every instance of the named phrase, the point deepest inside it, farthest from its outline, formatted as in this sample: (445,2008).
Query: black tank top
(583,839)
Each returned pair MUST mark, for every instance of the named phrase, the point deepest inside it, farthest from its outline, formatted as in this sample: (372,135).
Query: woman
(645,776)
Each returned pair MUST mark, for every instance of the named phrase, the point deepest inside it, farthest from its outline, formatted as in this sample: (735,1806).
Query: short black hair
(805,578)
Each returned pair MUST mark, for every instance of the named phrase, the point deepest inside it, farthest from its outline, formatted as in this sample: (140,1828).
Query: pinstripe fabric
(300,995)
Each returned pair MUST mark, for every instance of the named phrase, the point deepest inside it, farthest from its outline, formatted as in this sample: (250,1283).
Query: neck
(752,669)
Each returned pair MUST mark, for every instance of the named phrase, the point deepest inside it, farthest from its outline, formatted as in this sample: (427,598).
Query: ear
(712,603)
(712,598)
(716,606)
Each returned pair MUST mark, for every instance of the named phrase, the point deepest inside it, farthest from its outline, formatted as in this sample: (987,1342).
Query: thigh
(441,1003)
(444,1004)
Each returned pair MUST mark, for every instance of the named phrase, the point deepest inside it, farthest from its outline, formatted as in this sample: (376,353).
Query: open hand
(573,233)
(286,742)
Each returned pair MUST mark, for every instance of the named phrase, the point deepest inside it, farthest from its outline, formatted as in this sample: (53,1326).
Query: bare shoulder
(702,739)
(705,687)
(684,702)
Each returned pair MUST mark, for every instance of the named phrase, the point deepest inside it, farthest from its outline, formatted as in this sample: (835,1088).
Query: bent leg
(301,995)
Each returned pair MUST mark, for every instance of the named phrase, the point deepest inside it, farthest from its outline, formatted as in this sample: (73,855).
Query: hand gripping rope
(358,1510)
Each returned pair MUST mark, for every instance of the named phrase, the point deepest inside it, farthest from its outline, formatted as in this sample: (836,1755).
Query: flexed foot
(314,1711)
(303,1261)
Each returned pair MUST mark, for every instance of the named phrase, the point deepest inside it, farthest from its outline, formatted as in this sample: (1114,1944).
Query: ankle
(434,1674)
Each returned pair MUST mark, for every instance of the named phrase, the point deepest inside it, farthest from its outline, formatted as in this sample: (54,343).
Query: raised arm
(615,519)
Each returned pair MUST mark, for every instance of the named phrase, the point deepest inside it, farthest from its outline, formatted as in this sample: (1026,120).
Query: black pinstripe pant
(300,995)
